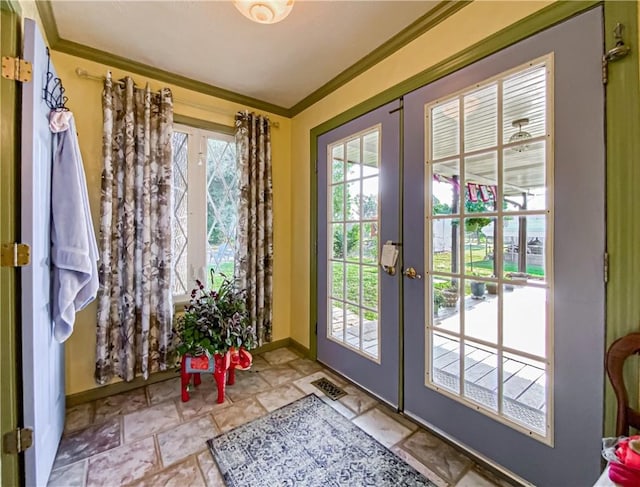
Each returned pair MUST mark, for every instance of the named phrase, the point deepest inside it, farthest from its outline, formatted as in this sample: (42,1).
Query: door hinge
(14,255)
(606,267)
(617,52)
(17,441)
(316,328)
(16,69)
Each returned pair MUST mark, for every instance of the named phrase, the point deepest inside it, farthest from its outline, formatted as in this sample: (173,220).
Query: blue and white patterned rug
(308,443)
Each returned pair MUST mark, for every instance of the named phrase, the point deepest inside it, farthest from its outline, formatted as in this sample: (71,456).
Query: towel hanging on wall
(74,251)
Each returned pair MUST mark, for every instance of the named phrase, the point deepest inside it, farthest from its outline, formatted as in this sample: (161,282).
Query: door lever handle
(411,273)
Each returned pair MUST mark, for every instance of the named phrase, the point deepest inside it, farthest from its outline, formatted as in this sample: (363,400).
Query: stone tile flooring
(148,437)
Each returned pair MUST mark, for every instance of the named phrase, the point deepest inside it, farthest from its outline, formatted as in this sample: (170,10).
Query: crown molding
(432,18)
(428,21)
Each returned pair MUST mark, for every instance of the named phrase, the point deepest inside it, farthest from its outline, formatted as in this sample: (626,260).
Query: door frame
(10,402)
(622,145)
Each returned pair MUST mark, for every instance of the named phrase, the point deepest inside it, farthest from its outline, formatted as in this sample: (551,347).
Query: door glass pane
(446,299)
(337,202)
(353,201)
(445,129)
(370,286)
(353,274)
(478,246)
(481,374)
(481,312)
(353,241)
(354,325)
(337,280)
(353,159)
(370,198)
(445,236)
(371,335)
(370,154)
(524,318)
(369,242)
(222,207)
(337,164)
(337,247)
(445,362)
(445,188)
(524,180)
(180,212)
(481,182)
(524,105)
(336,315)
(524,247)
(524,391)
(481,119)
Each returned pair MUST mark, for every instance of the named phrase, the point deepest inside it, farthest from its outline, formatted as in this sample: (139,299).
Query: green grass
(225,268)
(369,286)
(481,266)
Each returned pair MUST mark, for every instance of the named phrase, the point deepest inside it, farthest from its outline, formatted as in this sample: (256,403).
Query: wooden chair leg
(232,375)
(197,379)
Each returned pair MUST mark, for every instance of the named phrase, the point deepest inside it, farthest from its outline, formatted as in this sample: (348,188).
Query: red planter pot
(222,366)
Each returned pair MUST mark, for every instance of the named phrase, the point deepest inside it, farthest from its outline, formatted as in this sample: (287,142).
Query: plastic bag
(623,455)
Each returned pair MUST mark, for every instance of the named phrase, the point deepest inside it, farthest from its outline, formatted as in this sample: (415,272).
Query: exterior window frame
(197,203)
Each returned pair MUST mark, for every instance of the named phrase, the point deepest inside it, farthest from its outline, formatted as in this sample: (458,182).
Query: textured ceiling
(210,41)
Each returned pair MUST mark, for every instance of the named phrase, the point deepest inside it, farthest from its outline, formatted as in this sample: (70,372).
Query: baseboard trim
(119,387)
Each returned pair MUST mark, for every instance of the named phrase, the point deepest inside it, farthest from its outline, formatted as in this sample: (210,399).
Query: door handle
(411,273)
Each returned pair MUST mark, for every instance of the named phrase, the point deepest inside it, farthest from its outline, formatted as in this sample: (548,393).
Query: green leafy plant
(214,321)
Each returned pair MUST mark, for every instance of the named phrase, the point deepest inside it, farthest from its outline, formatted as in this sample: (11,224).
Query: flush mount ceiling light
(520,135)
(265,11)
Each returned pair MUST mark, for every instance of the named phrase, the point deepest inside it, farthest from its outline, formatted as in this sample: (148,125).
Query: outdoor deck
(523,383)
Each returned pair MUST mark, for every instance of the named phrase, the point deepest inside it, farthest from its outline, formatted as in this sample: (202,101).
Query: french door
(358,204)
(502,240)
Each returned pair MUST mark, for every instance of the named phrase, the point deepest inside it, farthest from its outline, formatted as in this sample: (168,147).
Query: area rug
(307,443)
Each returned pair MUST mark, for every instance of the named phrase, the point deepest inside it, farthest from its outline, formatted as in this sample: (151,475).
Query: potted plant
(478,288)
(213,335)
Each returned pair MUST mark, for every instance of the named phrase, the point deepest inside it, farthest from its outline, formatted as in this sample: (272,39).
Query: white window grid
(197,262)
(345,303)
(497,216)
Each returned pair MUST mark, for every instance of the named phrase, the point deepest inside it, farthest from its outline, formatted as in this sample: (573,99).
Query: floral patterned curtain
(135,309)
(254,253)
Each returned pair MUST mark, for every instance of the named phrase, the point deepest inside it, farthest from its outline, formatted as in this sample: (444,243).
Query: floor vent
(329,388)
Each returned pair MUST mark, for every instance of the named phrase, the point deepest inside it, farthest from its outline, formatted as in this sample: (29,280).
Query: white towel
(74,250)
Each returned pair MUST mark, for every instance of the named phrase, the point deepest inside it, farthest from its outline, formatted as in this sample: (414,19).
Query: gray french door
(358,204)
(504,176)
(503,241)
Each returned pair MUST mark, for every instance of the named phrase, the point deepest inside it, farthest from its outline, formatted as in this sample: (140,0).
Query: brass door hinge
(16,69)
(14,255)
(17,441)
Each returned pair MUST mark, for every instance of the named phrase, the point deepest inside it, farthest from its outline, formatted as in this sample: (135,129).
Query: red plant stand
(223,367)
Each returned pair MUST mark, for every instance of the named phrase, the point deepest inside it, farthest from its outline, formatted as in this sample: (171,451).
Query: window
(490,214)
(353,276)
(205,192)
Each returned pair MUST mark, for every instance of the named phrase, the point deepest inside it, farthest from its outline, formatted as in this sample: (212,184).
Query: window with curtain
(206,198)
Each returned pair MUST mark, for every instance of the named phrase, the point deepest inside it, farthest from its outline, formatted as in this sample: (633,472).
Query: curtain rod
(83,73)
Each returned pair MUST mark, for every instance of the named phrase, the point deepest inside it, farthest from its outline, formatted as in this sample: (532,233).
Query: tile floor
(148,437)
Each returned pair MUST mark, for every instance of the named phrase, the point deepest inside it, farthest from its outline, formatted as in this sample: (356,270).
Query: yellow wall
(85,102)
(469,26)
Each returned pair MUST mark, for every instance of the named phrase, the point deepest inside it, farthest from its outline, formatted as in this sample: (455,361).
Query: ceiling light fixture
(520,135)
(265,11)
